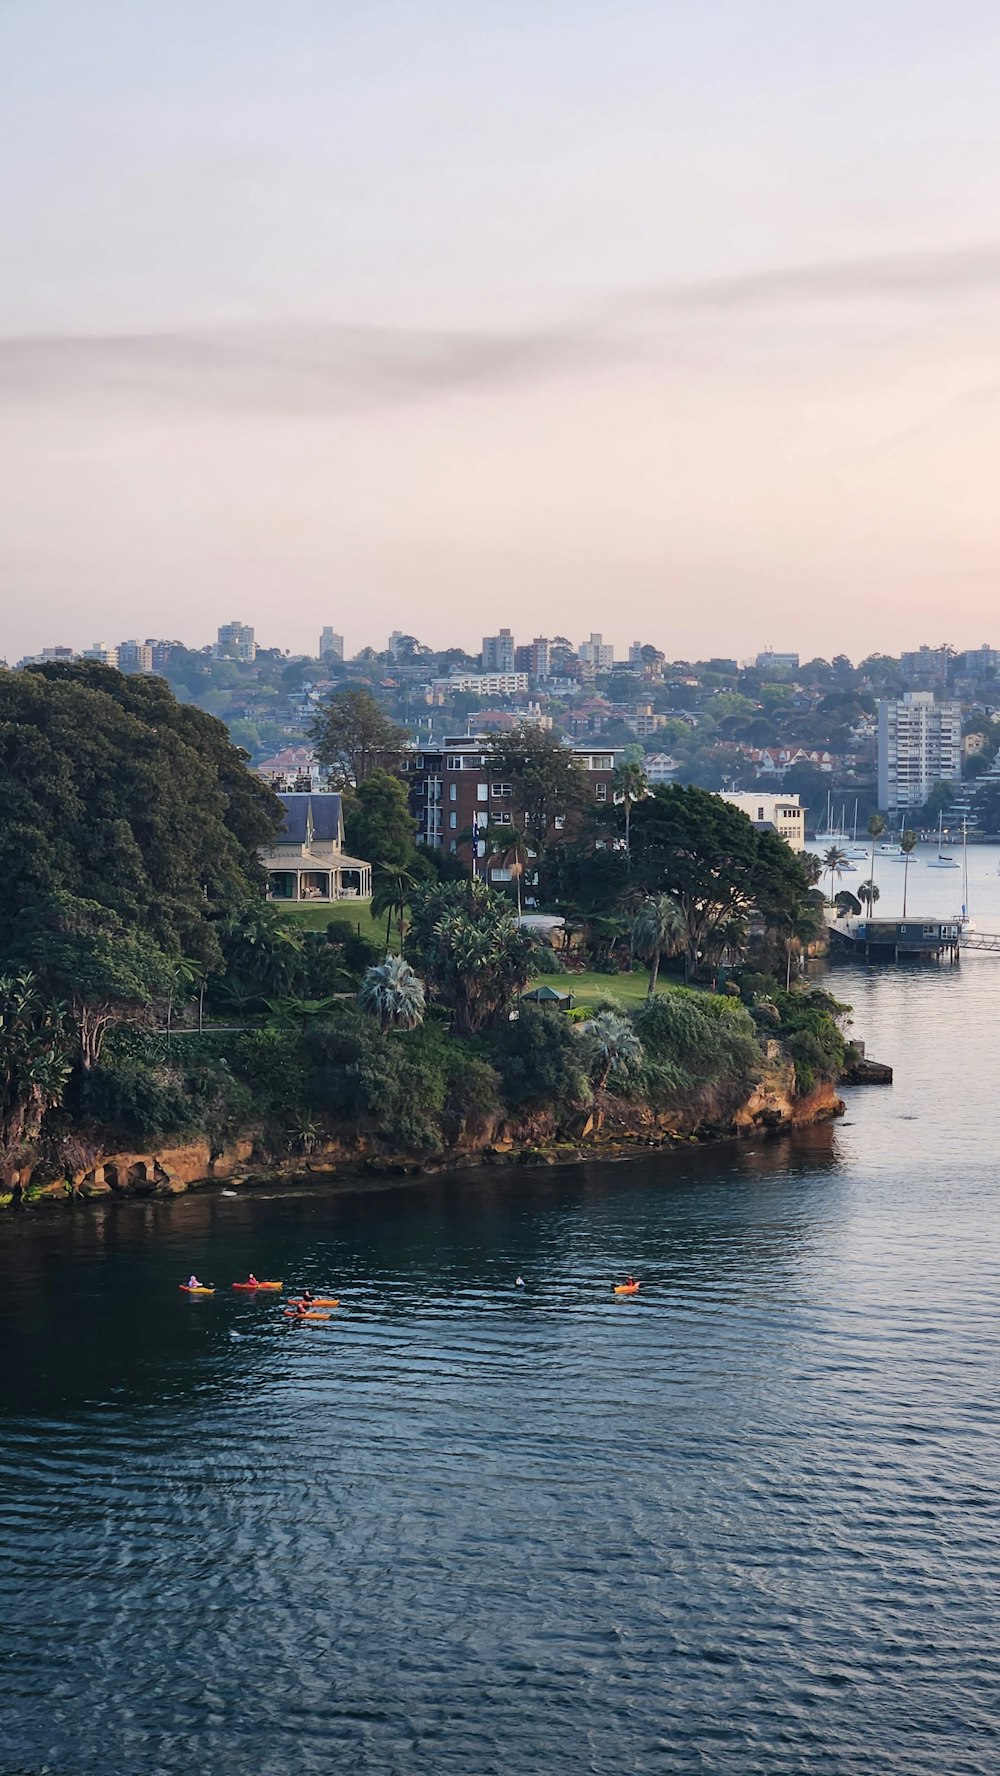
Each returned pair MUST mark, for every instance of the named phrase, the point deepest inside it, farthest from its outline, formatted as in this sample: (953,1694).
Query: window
(482,792)
(453,792)
(420,761)
(454,764)
(500,789)
(602,761)
(453,845)
(503,817)
(760,813)
(453,821)
(602,792)
(500,875)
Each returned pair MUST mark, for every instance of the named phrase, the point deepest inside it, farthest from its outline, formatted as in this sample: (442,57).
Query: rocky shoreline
(613,1129)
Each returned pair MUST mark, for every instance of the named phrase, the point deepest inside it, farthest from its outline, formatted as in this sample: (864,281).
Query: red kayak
(253,1287)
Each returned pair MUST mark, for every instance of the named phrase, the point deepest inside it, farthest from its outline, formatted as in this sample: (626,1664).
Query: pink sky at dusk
(679,323)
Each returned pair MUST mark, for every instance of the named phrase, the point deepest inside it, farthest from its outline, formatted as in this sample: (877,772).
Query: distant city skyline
(667,321)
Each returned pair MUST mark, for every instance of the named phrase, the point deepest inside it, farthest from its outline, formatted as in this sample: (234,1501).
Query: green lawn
(316,917)
(588,988)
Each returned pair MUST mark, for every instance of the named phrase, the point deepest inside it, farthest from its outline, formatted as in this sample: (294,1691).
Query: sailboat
(855,849)
(943,860)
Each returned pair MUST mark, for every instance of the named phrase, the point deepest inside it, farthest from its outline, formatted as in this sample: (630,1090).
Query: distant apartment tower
(784,662)
(981,662)
(926,666)
(498,652)
(597,653)
(135,656)
(236,642)
(919,744)
(331,645)
(540,657)
(98,650)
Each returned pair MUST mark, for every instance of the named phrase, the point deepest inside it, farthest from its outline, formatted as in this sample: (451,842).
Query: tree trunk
(906,871)
(788,965)
(628,835)
(388,930)
(654,969)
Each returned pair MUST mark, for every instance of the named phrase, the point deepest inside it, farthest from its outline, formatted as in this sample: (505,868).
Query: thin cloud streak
(315,370)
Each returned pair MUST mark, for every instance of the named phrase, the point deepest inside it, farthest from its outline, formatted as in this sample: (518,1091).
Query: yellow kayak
(202,1289)
(626,1288)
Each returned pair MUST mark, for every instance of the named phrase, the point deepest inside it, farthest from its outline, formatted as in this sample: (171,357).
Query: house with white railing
(307,861)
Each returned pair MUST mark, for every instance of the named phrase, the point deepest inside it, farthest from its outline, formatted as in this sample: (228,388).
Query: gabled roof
(309,817)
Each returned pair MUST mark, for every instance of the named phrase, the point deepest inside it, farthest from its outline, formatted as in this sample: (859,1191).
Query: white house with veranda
(307,860)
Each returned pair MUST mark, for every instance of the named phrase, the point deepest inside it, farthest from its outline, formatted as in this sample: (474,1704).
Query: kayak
(319,1301)
(202,1289)
(290,1314)
(626,1288)
(253,1287)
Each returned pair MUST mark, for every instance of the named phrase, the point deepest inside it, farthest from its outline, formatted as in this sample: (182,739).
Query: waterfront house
(307,861)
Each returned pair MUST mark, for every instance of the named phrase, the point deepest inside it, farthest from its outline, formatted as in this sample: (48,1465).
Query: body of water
(745,1522)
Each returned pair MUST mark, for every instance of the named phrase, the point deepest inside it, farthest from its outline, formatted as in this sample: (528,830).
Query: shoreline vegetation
(162,1026)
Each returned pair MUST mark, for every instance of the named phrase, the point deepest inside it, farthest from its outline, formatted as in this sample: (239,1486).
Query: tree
(616,1047)
(35,1061)
(83,956)
(354,737)
(379,826)
(659,926)
(908,843)
(629,785)
(470,951)
(833,865)
(801,923)
(393,994)
(113,792)
(718,867)
(876,827)
(393,885)
(262,949)
(868,894)
(547,781)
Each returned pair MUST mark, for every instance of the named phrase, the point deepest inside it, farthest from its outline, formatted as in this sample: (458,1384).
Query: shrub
(543,1060)
(695,1039)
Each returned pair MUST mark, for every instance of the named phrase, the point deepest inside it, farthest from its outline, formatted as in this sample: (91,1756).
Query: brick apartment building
(453,791)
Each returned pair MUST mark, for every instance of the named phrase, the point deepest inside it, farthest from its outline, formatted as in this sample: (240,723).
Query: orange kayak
(290,1314)
(253,1287)
(202,1289)
(318,1301)
(626,1288)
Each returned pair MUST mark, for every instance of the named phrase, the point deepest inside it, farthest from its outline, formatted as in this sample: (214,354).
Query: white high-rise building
(919,744)
(498,652)
(597,653)
(236,642)
(331,645)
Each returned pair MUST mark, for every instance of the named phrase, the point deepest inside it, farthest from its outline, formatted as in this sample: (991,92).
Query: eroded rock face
(612,1126)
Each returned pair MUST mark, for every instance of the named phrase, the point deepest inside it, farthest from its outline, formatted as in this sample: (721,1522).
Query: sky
(673,319)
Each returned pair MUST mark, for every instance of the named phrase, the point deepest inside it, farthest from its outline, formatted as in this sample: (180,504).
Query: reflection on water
(742,1523)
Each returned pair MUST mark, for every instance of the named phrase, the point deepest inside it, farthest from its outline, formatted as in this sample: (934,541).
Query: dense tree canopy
(354,737)
(713,861)
(113,792)
(546,780)
(379,824)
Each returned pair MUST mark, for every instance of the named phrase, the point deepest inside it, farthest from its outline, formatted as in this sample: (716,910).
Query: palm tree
(876,827)
(659,926)
(907,843)
(833,865)
(617,1049)
(869,893)
(393,885)
(629,785)
(802,923)
(391,993)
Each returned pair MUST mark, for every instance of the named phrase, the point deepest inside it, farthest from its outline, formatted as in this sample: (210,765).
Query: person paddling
(307,1297)
(193,1282)
(252,1281)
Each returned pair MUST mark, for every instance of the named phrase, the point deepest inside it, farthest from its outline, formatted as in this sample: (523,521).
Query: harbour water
(746,1522)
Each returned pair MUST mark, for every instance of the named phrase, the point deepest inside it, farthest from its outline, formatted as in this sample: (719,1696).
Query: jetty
(893,940)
